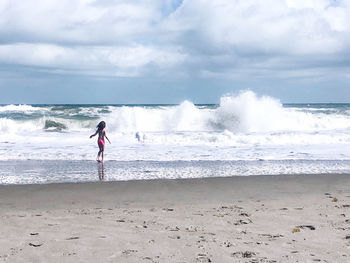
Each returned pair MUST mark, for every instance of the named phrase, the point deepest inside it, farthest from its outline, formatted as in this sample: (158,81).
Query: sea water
(242,135)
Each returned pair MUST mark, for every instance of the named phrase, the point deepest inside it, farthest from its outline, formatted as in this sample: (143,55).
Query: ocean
(240,136)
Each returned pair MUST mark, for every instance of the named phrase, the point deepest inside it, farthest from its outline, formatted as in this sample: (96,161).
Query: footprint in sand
(243,222)
(198,214)
(203,258)
(33,244)
(244,214)
(174,237)
(243,254)
(307,227)
(176,228)
(128,251)
(271,237)
(194,229)
(227,244)
(72,238)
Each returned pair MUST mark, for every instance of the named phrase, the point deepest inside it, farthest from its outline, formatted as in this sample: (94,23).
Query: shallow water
(60,171)
(241,131)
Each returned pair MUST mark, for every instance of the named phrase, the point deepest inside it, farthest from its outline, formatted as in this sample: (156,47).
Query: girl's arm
(107,138)
(94,134)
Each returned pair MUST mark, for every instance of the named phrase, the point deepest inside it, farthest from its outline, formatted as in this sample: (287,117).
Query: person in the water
(101,139)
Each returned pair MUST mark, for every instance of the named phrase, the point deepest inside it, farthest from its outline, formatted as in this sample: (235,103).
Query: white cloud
(224,37)
(271,26)
(203,37)
(77,21)
(100,60)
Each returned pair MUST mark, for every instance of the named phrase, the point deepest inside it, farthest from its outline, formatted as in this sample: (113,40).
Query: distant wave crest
(241,113)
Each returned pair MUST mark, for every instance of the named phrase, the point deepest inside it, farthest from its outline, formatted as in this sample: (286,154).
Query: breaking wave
(243,113)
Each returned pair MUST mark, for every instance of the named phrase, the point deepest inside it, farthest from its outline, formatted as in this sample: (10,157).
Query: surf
(244,112)
(241,127)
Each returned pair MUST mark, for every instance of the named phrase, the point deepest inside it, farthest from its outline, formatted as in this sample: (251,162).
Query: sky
(166,51)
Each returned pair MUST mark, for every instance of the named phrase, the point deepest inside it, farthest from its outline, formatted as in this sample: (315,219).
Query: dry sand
(240,219)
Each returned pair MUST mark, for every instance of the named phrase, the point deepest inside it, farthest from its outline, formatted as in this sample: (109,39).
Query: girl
(101,139)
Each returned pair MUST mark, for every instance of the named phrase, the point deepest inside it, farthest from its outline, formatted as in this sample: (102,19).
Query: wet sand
(239,219)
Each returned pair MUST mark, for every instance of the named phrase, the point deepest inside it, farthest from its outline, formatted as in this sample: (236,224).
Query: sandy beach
(301,218)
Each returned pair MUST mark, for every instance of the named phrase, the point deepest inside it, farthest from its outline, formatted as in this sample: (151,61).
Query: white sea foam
(58,171)
(20,108)
(241,127)
(244,113)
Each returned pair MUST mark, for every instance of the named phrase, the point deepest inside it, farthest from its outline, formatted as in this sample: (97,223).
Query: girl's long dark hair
(101,125)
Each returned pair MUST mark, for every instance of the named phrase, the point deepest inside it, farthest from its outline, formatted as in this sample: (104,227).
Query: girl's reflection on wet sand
(101,171)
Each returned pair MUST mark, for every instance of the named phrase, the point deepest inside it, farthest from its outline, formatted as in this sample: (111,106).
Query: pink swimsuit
(101,142)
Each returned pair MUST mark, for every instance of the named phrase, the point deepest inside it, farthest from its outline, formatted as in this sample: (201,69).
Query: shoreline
(242,186)
(222,219)
(62,171)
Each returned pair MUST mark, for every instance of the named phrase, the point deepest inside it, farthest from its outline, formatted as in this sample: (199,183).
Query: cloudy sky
(165,51)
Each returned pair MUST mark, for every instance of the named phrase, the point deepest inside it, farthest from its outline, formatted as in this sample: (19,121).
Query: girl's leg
(99,153)
(102,148)
(103,154)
